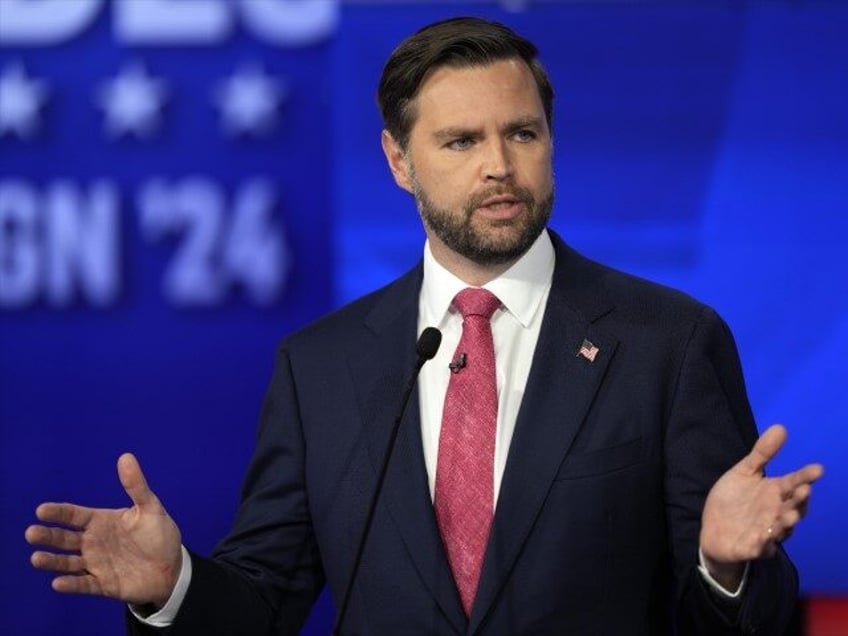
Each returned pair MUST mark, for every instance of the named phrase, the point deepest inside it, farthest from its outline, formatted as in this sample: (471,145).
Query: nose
(497,162)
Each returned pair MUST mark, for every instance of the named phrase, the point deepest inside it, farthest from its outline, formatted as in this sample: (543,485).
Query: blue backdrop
(183,183)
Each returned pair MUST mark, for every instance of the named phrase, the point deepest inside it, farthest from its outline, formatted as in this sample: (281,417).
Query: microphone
(458,364)
(426,347)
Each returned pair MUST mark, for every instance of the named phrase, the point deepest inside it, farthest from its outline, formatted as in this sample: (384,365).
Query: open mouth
(501,207)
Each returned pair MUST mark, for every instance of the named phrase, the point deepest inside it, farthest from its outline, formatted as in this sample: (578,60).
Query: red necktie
(465,466)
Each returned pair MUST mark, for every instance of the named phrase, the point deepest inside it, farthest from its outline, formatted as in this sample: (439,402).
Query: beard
(486,242)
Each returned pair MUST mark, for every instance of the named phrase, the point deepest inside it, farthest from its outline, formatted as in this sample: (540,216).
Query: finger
(798,497)
(64,514)
(765,448)
(812,473)
(798,502)
(56,538)
(65,563)
(774,534)
(785,523)
(790,482)
(133,481)
(76,584)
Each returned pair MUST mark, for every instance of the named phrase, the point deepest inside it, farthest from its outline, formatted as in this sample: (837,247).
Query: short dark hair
(459,43)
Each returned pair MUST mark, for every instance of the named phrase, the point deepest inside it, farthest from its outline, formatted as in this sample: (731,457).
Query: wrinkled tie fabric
(464,496)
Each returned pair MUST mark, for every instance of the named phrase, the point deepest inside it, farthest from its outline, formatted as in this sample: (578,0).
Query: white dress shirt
(523,291)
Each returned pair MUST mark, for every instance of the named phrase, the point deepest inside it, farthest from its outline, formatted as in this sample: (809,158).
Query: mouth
(501,207)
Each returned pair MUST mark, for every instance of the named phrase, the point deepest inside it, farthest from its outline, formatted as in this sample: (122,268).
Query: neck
(468,271)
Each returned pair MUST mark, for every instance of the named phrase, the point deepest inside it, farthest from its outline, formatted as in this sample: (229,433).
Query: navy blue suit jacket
(596,527)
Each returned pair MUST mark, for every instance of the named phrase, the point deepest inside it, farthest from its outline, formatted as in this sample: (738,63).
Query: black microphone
(457,365)
(426,347)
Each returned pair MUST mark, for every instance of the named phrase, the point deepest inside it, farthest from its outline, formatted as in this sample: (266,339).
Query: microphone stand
(426,347)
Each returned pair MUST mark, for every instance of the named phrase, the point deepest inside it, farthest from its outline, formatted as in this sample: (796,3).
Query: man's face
(478,162)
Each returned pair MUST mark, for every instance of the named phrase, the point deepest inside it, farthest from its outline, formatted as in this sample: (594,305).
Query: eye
(524,135)
(460,143)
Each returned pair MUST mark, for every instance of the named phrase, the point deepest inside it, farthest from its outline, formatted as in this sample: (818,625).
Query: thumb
(765,448)
(133,481)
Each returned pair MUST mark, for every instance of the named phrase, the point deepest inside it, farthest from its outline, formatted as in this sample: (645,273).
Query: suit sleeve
(710,428)
(263,578)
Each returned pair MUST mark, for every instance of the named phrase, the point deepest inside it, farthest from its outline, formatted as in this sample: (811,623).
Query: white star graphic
(21,99)
(249,100)
(132,102)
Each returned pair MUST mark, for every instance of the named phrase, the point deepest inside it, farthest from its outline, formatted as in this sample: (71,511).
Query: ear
(396,158)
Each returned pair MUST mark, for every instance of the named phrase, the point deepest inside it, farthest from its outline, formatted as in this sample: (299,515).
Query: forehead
(474,95)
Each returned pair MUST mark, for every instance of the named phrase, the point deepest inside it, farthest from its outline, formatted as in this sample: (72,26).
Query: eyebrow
(454,132)
(523,122)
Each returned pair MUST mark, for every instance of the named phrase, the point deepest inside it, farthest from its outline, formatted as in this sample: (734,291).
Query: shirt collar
(521,289)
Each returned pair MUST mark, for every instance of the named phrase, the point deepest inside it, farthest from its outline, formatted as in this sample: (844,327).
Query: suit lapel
(559,392)
(381,367)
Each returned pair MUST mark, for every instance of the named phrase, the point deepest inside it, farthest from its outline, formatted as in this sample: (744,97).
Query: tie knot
(473,301)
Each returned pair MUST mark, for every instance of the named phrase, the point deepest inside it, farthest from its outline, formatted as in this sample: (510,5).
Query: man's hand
(747,514)
(131,554)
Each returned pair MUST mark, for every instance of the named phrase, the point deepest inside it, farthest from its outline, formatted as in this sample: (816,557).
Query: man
(579,457)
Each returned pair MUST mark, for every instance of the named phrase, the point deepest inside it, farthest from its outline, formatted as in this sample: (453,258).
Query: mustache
(521,194)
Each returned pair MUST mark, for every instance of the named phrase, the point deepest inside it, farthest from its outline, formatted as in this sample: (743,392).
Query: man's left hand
(747,514)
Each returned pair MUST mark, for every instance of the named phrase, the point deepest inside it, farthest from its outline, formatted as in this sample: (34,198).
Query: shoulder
(597,290)
(337,329)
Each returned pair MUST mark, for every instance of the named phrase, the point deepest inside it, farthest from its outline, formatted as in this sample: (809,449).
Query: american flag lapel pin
(587,350)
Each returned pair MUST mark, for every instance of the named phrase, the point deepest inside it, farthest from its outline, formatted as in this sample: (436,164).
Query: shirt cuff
(165,616)
(715,585)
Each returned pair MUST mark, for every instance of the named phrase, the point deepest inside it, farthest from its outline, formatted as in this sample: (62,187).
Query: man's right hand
(131,554)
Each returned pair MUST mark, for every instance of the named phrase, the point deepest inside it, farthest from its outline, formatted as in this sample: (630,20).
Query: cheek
(539,176)
(448,189)
(548,179)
